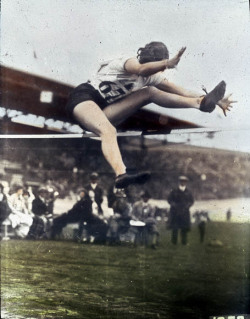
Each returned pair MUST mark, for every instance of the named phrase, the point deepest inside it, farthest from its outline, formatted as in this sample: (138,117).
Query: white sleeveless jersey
(114,82)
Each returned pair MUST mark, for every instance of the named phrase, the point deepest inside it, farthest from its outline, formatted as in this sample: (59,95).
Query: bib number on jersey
(114,91)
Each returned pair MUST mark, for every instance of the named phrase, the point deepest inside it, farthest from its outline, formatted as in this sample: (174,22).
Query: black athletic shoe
(209,101)
(124,180)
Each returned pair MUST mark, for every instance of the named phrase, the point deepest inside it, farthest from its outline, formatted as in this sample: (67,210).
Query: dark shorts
(84,92)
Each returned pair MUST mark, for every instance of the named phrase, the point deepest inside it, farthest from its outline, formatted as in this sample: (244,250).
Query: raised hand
(172,63)
(225,104)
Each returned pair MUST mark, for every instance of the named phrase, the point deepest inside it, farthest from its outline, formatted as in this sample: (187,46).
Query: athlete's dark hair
(153,51)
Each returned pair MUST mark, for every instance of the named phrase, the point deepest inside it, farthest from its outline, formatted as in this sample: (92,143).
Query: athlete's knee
(108,131)
(151,92)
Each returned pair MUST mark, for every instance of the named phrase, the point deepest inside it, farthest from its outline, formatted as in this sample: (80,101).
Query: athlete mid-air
(121,87)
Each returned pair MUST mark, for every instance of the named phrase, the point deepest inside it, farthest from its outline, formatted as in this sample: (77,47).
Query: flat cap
(94,175)
(183,178)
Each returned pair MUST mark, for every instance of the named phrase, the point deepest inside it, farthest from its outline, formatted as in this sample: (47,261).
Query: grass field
(64,279)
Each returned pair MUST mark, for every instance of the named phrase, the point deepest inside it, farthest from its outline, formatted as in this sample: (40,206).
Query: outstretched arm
(146,69)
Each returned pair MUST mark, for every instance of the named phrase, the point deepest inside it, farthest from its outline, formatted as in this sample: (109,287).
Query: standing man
(180,200)
(95,193)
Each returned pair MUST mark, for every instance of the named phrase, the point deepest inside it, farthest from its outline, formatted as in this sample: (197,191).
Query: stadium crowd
(30,215)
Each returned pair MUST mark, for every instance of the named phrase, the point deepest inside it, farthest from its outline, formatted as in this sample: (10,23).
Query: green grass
(63,279)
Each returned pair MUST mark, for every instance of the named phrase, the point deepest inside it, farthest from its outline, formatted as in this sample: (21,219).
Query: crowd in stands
(31,216)
(28,215)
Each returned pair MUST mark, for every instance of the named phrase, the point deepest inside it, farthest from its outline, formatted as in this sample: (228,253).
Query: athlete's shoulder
(120,63)
(132,65)
(111,66)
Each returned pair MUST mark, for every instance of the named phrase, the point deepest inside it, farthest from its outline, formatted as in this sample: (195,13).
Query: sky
(66,40)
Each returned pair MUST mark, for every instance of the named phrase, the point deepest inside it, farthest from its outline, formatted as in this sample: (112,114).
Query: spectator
(180,200)
(96,193)
(119,222)
(40,202)
(201,218)
(111,196)
(4,206)
(52,194)
(36,230)
(229,214)
(145,212)
(81,213)
(27,200)
(113,192)
(41,208)
(20,218)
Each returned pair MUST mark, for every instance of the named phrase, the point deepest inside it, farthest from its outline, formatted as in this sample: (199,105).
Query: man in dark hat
(144,211)
(42,216)
(118,223)
(180,200)
(96,193)
(40,202)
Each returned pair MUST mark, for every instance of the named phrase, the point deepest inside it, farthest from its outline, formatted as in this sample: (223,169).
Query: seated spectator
(81,213)
(40,205)
(4,206)
(28,199)
(145,212)
(19,217)
(113,192)
(119,222)
(42,211)
(51,198)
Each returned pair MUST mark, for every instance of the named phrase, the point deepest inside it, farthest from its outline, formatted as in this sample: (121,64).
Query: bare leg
(121,110)
(93,119)
(99,122)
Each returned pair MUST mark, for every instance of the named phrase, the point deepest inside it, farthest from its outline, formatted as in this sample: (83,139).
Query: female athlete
(123,86)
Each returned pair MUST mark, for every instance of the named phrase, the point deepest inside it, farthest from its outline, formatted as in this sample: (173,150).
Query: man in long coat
(180,200)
